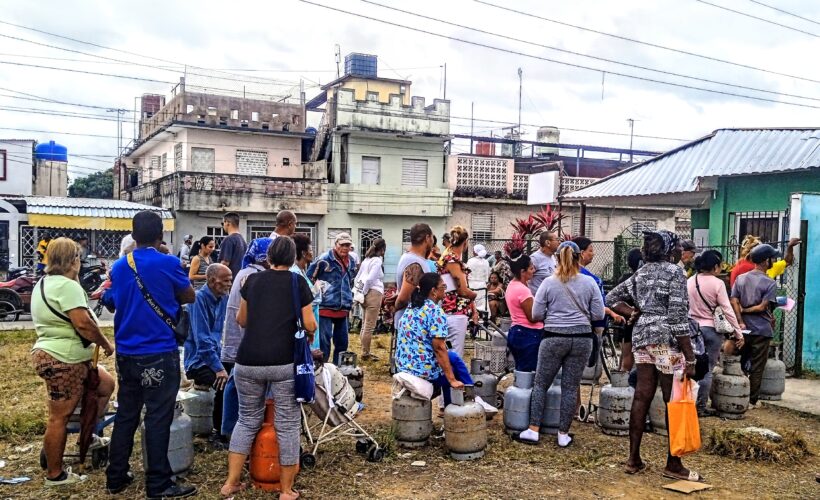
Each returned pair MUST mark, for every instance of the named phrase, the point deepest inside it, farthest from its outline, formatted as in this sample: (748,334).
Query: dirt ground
(591,468)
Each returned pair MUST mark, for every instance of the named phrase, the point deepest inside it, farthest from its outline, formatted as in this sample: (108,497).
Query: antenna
(338,61)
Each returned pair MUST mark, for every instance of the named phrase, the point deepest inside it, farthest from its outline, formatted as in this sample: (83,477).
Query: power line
(745,14)
(647,44)
(597,58)
(32,97)
(574,65)
(151,80)
(67,114)
(785,12)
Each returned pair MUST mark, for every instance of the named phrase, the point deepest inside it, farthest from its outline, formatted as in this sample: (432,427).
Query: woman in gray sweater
(568,302)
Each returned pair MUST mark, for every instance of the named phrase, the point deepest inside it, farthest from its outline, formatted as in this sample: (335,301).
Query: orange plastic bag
(684,428)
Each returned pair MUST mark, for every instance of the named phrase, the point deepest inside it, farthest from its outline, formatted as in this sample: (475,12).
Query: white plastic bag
(416,386)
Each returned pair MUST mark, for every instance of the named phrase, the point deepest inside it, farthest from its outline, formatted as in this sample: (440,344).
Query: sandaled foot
(684,475)
(232,489)
(634,469)
(290,496)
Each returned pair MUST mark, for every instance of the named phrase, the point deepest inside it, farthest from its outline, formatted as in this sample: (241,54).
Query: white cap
(480,250)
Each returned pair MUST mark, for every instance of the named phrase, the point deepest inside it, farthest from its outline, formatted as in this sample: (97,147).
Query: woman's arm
(440,349)
(192,272)
(242,315)
(539,303)
(308,321)
(526,306)
(597,310)
(84,325)
(462,288)
(726,305)
(409,281)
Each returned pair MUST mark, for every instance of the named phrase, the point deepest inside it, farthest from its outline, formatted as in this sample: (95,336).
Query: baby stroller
(385,322)
(334,410)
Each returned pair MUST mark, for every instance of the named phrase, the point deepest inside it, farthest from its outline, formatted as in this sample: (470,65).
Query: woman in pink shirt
(524,336)
(706,292)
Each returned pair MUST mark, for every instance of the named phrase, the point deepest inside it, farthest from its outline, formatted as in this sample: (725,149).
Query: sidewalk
(800,396)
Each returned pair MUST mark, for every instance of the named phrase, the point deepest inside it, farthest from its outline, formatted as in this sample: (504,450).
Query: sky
(285,41)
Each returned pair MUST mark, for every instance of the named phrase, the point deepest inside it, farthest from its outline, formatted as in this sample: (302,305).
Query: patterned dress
(453,303)
(417,328)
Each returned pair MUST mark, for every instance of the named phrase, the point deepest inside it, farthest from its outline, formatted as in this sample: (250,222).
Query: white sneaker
(529,435)
(98,442)
(488,408)
(70,478)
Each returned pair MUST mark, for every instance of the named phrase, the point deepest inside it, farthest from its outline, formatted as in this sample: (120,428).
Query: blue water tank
(310,130)
(364,65)
(51,151)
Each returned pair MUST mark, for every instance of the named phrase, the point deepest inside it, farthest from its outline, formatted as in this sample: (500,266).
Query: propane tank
(505,324)
(592,373)
(614,405)
(465,426)
(412,420)
(201,409)
(264,467)
(730,389)
(484,381)
(774,380)
(517,402)
(552,410)
(657,413)
(355,375)
(180,443)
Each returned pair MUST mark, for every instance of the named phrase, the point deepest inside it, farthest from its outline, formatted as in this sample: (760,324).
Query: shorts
(64,381)
(666,358)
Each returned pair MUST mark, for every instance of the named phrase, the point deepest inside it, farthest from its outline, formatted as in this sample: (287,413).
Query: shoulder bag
(722,324)
(593,356)
(60,315)
(303,369)
(181,325)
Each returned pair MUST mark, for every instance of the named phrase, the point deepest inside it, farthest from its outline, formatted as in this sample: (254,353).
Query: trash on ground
(23,449)
(687,486)
(762,431)
(419,463)
(14,480)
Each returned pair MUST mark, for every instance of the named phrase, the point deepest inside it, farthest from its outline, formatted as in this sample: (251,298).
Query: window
(371,170)
(202,159)
(413,172)
(770,227)
(332,233)
(254,116)
(3,158)
(251,162)
(189,109)
(211,111)
(153,167)
(575,229)
(285,162)
(309,229)
(217,233)
(163,169)
(178,156)
(482,226)
(366,239)
(234,114)
(405,239)
(372,96)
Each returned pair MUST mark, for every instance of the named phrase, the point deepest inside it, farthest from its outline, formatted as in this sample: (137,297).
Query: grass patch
(25,424)
(748,446)
(589,459)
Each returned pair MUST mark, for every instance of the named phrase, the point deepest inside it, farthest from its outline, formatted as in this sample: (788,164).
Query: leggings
(457,331)
(570,354)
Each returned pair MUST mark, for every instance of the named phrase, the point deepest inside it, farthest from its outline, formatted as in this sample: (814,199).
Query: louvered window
(413,173)
(178,156)
(202,159)
(164,165)
(483,226)
(251,162)
(588,226)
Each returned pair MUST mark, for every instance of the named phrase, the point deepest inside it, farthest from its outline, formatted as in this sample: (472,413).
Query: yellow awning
(78,222)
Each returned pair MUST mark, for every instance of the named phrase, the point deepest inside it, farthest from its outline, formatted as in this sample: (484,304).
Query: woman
(706,292)
(479,277)
(371,275)
(264,363)
(304,256)
(200,260)
(63,321)
(495,295)
(660,338)
(524,336)
(458,300)
(434,256)
(743,264)
(568,302)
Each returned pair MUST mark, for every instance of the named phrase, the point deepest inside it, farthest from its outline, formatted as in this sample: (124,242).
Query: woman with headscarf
(660,338)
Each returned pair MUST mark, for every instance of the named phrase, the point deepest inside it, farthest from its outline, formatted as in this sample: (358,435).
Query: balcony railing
(570,184)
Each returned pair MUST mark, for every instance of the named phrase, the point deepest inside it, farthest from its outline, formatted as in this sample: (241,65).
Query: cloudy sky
(284,41)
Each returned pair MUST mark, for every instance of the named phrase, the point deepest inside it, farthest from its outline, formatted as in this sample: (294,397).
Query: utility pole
(520,90)
(631,130)
(472,114)
(445,80)
(338,61)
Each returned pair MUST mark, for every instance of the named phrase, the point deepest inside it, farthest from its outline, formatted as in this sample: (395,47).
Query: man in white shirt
(285,224)
(544,259)
(479,276)
(184,252)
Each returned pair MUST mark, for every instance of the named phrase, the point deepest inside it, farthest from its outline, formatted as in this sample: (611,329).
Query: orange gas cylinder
(264,466)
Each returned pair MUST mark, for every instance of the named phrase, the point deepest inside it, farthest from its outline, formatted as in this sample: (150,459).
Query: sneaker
(113,490)
(488,408)
(98,442)
(65,478)
(529,436)
(174,491)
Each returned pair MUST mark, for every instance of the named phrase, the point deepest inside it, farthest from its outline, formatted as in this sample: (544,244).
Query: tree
(97,185)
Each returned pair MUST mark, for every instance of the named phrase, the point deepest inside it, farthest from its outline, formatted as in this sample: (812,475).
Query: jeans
(523,343)
(461,373)
(151,380)
(333,329)
(713,342)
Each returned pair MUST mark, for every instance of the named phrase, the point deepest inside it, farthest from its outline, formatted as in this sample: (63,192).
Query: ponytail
(568,256)
(197,246)
(426,284)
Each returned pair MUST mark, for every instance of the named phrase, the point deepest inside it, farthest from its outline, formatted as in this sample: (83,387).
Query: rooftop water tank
(548,134)
(364,65)
(51,151)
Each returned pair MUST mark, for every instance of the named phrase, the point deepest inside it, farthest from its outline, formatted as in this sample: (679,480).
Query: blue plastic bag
(305,386)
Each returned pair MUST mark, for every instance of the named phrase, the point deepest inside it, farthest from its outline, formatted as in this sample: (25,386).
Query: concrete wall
(50,178)
(394,116)
(19,155)
(361,86)
(810,212)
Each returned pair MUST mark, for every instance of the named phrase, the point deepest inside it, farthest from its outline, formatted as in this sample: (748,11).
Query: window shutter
(371,170)
(251,162)
(202,159)
(483,226)
(413,173)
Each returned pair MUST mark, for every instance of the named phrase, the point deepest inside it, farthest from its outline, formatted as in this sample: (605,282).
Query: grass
(750,446)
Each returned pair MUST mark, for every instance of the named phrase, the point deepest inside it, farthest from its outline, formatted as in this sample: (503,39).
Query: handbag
(722,324)
(60,315)
(593,356)
(684,428)
(179,325)
(303,369)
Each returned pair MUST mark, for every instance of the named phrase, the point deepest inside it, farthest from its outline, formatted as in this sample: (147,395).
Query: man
(42,253)
(285,224)
(233,247)
(336,268)
(203,347)
(753,298)
(147,358)
(544,259)
(412,265)
(479,276)
(687,257)
(82,242)
(184,252)
(127,244)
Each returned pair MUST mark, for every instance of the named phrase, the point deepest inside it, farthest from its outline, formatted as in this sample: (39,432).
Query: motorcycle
(92,276)
(15,297)
(97,295)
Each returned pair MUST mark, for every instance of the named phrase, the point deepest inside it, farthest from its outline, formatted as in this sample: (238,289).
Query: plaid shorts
(64,381)
(666,358)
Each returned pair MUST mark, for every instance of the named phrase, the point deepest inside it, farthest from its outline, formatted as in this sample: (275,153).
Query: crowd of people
(239,342)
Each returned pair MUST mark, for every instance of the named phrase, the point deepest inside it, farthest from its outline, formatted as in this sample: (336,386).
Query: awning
(84,222)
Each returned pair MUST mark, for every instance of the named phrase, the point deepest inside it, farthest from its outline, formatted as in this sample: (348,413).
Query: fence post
(801,297)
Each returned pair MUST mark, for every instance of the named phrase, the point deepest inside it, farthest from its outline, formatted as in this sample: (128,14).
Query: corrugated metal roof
(88,207)
(725,152)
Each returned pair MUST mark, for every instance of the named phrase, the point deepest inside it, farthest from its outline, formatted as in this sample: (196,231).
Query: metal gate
(104,244)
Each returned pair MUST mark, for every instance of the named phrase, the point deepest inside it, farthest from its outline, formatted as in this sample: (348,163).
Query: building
(200,155)
(386,163)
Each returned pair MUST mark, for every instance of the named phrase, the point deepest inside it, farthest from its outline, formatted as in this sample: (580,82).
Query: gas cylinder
(552,410)
(505,324)
(592,373)
(614,405)
(264,459)
(200,409)
(465,426)
(180,443)
(354,373)
(774,380)
(730,389)
(484,381)
(412,421)
(517,402)
(657,413)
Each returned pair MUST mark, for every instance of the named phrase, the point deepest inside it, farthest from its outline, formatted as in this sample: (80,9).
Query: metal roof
(88,207)
(726,152)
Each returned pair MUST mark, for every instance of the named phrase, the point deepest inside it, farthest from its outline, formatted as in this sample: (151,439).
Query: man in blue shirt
(203,347)
(147,357)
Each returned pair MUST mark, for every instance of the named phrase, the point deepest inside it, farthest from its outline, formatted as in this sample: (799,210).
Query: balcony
(206,192)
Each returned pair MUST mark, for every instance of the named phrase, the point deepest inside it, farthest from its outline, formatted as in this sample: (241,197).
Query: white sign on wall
(543,188)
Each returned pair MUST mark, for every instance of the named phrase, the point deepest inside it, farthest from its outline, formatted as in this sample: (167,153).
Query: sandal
(635,469)
(693,476)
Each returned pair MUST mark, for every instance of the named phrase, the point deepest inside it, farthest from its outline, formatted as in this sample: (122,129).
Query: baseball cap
(343,239)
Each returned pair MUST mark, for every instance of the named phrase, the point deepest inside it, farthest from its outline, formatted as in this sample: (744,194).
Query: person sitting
(495,296)
(525,334)
(62,321)
(203,346)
